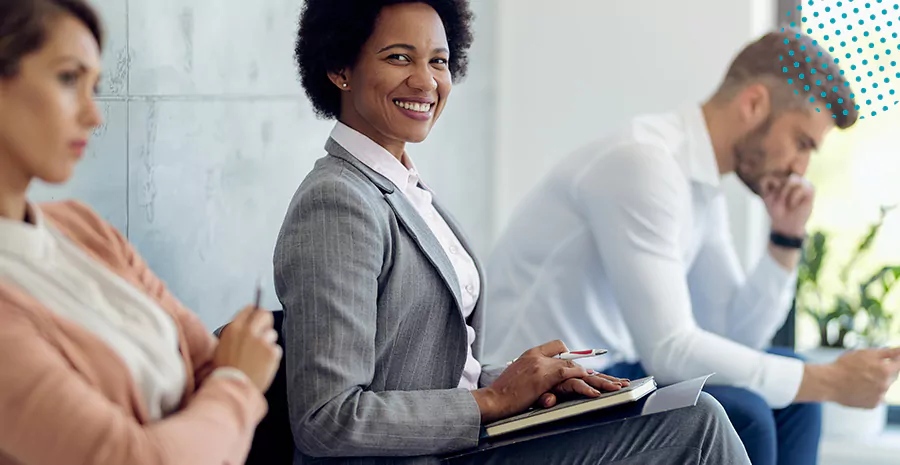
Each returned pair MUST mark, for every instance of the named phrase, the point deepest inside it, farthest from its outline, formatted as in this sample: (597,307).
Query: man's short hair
(798,72)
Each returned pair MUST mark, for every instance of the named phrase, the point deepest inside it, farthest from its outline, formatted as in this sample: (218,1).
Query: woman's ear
(340,79)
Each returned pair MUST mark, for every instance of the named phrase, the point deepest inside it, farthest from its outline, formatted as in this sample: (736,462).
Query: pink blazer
(67,398)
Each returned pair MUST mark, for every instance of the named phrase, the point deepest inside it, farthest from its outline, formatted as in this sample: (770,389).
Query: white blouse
(51,268)
(406,178)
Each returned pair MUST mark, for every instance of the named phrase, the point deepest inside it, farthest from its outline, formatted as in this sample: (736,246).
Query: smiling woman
(382,293)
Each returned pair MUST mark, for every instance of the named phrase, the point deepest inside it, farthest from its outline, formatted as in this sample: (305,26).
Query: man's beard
(749,167)
(751,158)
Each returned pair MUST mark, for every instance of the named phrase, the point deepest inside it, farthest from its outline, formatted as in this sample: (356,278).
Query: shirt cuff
(781,380)
(489,374)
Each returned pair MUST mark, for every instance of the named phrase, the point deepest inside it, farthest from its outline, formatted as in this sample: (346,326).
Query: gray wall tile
(210,183)
(115,50)
(100,178)
(191,47)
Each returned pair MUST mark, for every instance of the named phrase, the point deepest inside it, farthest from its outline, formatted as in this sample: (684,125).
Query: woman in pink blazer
(99,363)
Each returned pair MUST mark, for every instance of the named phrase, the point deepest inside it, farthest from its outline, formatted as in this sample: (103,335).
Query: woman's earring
(344,85)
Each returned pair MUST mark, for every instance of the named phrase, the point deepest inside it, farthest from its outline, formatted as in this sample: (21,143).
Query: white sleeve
(636,202)
(745,309)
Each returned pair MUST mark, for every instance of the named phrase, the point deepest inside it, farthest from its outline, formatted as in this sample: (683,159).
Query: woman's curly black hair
(332,33)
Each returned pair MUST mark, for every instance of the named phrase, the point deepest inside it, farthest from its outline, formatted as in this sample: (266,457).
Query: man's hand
(868,374)
(789,205)
(859,378)
(591,387)
(525,380)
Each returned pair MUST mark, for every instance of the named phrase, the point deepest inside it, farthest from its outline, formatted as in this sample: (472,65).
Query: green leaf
(812,258)
(857,307)
(867,241)
(843,308)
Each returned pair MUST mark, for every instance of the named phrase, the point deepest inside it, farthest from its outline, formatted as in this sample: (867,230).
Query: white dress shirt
(64,278)
(406,178)
(626,246)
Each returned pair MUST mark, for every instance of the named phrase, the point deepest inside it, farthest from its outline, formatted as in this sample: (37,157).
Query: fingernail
(591,372)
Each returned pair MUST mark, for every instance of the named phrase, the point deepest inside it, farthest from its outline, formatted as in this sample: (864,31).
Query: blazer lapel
(426,240)
(409,218)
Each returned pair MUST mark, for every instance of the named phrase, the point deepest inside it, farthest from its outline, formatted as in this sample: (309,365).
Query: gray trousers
(699,435)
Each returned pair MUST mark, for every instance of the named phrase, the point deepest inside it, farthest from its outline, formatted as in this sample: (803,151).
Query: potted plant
(850,315)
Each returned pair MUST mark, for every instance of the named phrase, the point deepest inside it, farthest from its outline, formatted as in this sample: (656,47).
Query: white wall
(571,71)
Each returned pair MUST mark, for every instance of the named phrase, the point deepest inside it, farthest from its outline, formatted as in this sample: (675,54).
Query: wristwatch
(788,242)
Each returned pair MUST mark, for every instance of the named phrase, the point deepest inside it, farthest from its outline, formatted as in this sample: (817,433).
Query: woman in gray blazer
(381,291)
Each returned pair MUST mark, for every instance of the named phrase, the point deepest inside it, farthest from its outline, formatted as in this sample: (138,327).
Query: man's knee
(747,410)
(805,416)
(811,410)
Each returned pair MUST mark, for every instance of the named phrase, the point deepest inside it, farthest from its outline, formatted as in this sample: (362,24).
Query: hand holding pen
(258,299)
(250,344)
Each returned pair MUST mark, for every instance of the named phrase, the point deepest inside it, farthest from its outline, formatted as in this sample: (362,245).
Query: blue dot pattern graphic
(860,33)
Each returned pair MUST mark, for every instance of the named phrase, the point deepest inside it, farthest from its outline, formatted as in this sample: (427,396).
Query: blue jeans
(788,436)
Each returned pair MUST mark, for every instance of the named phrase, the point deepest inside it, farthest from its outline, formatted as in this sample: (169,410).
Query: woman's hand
(591,386)
(523,382)
(250,344)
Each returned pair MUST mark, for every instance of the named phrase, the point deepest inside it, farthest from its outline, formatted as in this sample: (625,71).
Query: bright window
(858,170)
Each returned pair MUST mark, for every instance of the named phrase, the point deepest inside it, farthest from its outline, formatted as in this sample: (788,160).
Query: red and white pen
(581,354)
(574,355)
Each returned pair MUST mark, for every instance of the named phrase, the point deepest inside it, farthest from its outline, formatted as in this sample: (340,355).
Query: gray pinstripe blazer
(375,339)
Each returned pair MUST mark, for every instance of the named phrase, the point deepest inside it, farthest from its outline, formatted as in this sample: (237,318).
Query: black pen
(258,299)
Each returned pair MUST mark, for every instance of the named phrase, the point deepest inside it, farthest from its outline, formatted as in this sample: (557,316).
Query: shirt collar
(25,240)
(376,157)
(702,166)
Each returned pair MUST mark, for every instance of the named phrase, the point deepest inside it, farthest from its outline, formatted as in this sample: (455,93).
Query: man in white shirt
(625,246)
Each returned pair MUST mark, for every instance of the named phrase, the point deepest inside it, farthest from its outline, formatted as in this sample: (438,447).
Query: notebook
(539,416)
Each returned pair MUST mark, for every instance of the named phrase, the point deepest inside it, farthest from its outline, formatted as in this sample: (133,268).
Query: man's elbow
(668,362)
(662,372)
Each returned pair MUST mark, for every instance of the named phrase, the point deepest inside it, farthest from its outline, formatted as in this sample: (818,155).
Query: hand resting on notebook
(590,386)
(537,377)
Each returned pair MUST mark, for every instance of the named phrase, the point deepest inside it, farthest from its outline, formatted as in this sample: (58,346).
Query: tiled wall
(208,134)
